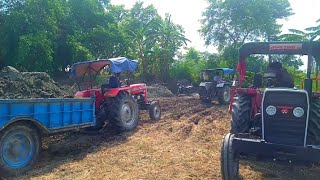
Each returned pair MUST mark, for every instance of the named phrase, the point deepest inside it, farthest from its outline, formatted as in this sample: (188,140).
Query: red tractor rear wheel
(241,108)
(124,112)
(314,123)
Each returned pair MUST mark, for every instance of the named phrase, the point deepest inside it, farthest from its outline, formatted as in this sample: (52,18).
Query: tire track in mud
(187,117)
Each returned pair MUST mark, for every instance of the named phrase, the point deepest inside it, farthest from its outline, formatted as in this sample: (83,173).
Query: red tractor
(116,103)
(271,118)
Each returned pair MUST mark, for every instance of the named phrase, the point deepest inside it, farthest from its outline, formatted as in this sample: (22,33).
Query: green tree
(73,31)
(41,35)
(190,66)
(137,27)
(302,35)
(170,38)
(31,21)
(228,24)
(232,22)
(35,52)
(192,54)
(118,12)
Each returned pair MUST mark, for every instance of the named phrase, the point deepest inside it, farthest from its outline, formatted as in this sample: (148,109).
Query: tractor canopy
(208,74)
(92,68)
(85,73)
(311,48)
(224,70)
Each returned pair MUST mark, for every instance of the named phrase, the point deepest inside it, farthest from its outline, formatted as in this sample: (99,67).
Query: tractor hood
(92,68)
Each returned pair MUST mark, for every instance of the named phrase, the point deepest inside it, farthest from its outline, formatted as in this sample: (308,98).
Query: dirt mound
(157,90)
(19,85)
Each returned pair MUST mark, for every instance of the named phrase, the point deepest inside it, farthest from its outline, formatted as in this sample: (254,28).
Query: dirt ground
(184,144)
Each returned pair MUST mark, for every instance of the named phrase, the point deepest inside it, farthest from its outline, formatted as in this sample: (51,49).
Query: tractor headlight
(298,112)
(271,110)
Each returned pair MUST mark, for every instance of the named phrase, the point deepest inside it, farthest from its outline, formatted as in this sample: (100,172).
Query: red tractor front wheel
(155,111)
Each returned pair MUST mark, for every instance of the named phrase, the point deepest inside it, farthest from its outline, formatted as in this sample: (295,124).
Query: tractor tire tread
(115,108)
(32,132)
(313,134)
(240,120)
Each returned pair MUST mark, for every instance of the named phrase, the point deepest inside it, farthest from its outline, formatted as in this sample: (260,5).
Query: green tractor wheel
(224,95)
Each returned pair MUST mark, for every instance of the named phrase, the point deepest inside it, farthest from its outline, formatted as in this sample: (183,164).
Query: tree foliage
(232,22)
(41,35)
(309,33)
(228,24)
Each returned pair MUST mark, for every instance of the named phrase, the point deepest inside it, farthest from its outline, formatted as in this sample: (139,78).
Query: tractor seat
(270,74)
(104,88)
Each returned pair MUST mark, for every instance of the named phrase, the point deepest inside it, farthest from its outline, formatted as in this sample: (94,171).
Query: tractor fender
(33,122)
(113,92)
(207,85)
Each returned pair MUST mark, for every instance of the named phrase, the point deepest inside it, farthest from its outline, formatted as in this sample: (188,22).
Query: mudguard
(207,85)
(113,92)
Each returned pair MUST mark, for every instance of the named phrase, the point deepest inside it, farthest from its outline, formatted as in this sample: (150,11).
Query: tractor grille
(283,127)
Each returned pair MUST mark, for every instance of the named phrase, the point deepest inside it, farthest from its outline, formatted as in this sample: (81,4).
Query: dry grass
(185,144)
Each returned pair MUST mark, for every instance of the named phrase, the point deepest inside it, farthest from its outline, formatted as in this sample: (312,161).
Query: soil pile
(157,90)
(19,85)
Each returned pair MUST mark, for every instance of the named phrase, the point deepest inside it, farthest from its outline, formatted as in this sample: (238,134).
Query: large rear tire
(229,159)
(224,95)
(241,108)
(203,94)
(314,123)
(124,112)
(19,149)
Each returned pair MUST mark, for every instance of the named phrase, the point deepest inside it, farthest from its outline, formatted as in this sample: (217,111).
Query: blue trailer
(24,121)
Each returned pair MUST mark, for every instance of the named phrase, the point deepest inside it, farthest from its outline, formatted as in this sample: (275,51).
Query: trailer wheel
(155,111)
(224,95)
(241,108)
(19,148)
(229,160)
(124,112)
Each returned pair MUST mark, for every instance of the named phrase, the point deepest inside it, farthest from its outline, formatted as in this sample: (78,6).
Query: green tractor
(215,85)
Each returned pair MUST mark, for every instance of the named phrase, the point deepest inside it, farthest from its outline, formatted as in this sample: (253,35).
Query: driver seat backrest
(114,82)
(257,80)
(104,88)
(214,84)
